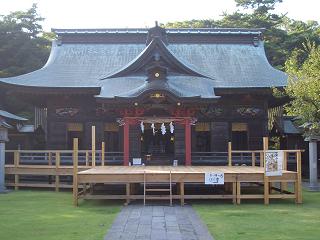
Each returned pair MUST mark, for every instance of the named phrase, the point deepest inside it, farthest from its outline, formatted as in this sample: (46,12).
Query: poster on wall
(273,162)
(216,178)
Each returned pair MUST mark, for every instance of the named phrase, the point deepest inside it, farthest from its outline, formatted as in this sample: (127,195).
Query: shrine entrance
(158,138)
(157,148)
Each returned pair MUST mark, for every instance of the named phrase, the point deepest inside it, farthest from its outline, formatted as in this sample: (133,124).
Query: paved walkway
(138,222)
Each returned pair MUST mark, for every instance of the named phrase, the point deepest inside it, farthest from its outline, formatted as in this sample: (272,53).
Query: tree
(282,35)
(304,88)
(22,47)
(259,6)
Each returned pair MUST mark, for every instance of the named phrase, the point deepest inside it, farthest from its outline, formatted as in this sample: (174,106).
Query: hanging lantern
(163,129)
(171,127)
(142,127)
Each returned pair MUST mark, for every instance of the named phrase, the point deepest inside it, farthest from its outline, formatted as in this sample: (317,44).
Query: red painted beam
(126,142)
(188,142)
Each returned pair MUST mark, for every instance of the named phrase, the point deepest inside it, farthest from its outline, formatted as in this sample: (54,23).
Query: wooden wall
(220,116)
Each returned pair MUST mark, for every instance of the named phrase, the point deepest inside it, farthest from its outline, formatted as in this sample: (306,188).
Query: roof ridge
(168,30)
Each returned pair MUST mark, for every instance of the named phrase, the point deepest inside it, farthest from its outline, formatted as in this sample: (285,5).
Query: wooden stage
(234,178)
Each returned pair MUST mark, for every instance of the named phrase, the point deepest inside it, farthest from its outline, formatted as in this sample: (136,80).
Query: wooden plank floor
(181,175)
(178,169)
(134,174)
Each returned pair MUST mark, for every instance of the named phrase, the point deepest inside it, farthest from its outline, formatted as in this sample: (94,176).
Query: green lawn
(282,219)
(44,215)
(48,215)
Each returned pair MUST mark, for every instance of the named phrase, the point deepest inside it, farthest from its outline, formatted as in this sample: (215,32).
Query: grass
(43,215)
(282,219)
(51,216)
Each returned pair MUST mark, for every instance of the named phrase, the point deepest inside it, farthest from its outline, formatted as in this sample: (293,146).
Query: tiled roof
(11,116)
(254,31)
(79,65)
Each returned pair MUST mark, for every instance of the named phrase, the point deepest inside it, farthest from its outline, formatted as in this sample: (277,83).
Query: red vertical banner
(188,141)
(126,142)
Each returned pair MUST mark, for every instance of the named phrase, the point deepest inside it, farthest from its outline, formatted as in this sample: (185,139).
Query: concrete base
(313,188)
(4,191)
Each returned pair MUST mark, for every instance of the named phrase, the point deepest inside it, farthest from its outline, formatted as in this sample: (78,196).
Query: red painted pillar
(188,142)
(126,142)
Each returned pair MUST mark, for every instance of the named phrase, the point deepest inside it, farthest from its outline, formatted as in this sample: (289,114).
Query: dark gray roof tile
(79,65)
(8,115)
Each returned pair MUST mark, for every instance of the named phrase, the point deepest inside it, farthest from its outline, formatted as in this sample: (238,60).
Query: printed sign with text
(214,178)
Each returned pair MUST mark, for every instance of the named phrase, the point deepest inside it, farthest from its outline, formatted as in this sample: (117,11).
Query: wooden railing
(57,165)
(237,157)
(48,157)
(52,168)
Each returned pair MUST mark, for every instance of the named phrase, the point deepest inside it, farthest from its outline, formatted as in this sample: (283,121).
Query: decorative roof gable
(155,56)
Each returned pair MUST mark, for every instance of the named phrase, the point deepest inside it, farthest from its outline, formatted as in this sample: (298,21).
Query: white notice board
(214,178)
(136,161)
(274,162)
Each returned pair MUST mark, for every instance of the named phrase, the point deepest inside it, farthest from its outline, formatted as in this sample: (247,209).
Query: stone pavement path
(138,222)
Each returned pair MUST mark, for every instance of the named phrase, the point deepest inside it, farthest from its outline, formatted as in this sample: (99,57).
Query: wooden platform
(192,174)
(234,176)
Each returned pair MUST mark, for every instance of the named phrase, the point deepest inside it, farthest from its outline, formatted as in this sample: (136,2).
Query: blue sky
(142,13)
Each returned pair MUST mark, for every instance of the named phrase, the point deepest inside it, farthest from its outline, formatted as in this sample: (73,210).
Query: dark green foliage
(261,6)
(282,35)
(22,48)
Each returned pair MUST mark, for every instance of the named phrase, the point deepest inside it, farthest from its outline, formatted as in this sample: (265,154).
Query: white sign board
(214,178)
(273,163)
(175,163)
(136,161)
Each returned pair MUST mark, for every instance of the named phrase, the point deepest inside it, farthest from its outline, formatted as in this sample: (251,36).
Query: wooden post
(298,190)
(234,192)
(261,159)
(188,142)
(265,143)
(75,171)
(266,190)
(229,154)
(253,159)
(16,165)
(49,164)
(50,158)
(127,193)
(266,179)
(126,143)
(87,158)
(84,189)
(102,153)
(58,158)
(238,192)
(182,193)
(284,185)
(93,145)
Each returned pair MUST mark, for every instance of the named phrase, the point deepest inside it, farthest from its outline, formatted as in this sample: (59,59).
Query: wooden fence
(58,167)
(52,165)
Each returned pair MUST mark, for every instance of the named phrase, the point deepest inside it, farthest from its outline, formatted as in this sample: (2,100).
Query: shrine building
(156,94)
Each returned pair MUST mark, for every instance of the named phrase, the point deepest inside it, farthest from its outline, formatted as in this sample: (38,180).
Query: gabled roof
(179,80)
(286,125)
(4,116)
(156,46)
(181,86)
(5,124)
(207,58)
(11,116)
